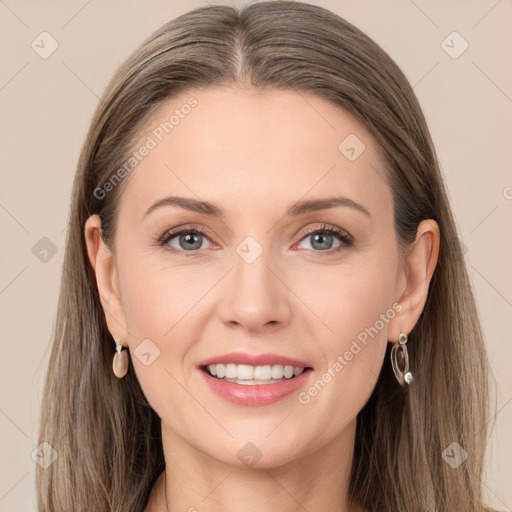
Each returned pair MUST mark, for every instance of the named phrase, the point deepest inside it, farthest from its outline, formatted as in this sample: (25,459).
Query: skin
(253,155)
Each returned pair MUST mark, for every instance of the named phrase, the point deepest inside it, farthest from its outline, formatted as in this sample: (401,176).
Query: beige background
(46,106)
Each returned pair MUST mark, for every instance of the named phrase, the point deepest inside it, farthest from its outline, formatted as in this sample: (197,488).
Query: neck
(193,481)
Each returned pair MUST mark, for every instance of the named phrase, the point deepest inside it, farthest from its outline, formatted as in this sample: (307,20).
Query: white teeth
(220,370)
(248,373)
(288,372)
(231,372)
(277,371)
(262,372)
(244,371)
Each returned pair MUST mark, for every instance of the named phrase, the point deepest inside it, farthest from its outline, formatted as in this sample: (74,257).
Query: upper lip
(255,360)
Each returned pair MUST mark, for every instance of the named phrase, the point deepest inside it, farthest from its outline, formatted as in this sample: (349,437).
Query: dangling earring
(403,375)
(120,363)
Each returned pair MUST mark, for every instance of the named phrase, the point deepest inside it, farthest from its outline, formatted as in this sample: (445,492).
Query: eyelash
(342,235)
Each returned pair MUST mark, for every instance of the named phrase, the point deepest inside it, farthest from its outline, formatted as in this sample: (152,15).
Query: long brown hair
(107,436)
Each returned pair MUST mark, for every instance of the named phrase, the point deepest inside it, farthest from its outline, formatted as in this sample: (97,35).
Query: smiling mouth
(249,375)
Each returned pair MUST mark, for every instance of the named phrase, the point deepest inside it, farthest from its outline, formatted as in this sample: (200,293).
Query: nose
(256,298)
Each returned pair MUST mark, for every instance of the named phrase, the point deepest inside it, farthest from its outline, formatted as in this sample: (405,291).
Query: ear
(420,263)
(103,263)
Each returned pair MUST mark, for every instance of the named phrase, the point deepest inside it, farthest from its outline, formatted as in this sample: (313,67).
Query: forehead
(265,148)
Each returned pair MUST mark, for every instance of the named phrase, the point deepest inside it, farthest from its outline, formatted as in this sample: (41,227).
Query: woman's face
(254,281)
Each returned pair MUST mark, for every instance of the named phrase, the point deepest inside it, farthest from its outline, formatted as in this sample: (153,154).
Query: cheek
(347,299)
(161,305)
(145,302)
(156,297)
(156,302)
(356,305)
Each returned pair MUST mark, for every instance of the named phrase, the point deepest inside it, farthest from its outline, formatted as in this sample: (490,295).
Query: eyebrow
(297,208)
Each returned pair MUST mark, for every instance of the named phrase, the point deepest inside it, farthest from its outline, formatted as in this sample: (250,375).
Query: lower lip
(257,395)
